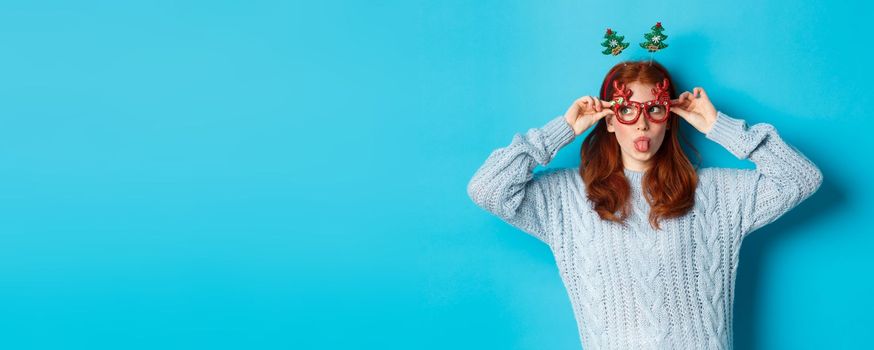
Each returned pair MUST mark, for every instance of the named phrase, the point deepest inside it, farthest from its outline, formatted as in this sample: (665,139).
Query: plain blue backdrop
(291,175)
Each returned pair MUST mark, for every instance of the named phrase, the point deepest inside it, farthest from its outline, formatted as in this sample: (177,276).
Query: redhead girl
(646,243)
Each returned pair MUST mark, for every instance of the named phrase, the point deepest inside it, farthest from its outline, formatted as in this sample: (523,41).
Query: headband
(614,45)
(655,40)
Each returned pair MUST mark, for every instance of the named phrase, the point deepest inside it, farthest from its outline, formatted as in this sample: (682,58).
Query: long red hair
(668,185)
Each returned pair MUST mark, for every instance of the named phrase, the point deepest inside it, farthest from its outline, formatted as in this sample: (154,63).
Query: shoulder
(726,182)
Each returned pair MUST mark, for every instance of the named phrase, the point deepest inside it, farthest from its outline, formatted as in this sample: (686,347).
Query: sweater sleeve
(783,176)
(506,186)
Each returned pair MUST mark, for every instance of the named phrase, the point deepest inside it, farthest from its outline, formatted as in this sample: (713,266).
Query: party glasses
(627,111)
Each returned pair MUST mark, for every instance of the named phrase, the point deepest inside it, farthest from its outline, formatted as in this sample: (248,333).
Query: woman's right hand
(585,112)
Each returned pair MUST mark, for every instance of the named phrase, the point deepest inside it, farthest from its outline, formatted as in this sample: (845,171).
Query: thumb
(597,116)
(679,111)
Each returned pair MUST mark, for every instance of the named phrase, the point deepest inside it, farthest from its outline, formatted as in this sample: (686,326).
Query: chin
(643,156)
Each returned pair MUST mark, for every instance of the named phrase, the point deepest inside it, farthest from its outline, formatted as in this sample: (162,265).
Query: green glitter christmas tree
(613,43)
(655,40)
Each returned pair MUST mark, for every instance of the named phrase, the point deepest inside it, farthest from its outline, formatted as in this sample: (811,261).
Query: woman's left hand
(696,108)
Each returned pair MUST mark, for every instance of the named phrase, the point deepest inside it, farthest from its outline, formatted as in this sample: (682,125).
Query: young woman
(647,246)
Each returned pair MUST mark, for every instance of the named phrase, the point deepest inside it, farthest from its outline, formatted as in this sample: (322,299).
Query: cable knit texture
(634,287)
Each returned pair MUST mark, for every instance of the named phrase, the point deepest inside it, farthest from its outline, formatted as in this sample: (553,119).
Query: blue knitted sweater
(633,287)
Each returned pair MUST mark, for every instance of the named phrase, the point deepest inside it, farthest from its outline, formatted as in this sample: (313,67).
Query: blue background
(269,174)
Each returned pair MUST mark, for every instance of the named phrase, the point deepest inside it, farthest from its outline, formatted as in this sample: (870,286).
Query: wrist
(558,132)
(573,126)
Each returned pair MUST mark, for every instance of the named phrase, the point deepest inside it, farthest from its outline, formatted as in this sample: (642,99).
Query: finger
(698,91)
(588,103)
(681,112)
(688,99)
(580,103)
(680,101)
(606,104)
(703,93)
(596,103)
(597,116)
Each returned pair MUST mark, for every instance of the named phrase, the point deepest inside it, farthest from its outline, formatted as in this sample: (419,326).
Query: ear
(609,120)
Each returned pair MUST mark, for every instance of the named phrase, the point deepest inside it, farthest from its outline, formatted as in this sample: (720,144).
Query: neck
(635,165)
(634,175)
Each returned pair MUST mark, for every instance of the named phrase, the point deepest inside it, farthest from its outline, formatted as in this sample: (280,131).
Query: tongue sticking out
(642,145)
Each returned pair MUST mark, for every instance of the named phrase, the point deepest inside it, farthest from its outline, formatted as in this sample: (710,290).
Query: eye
(625,110)
(656,109)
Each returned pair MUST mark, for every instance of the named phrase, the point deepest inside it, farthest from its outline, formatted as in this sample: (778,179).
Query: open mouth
(641,144)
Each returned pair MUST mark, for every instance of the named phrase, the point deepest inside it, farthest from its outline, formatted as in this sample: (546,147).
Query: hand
(585,112)
(698,111)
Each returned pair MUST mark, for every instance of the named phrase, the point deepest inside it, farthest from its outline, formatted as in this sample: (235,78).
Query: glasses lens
(657,112)
(628,113)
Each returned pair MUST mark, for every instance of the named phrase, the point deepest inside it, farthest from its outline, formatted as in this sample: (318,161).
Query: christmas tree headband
(614,44)
(655,40)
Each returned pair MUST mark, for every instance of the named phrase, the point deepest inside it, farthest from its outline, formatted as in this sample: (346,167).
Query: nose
(642,123)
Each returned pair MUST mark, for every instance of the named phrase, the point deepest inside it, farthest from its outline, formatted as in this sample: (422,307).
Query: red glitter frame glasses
(627,111)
